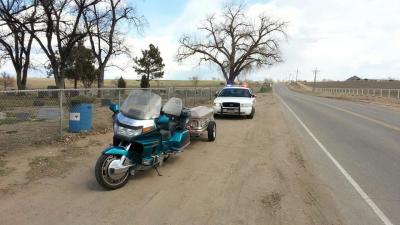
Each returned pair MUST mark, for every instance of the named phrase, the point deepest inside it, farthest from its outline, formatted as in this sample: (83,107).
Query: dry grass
(47,166)
(357,84)
(42,83)
(55,166)
(4,170)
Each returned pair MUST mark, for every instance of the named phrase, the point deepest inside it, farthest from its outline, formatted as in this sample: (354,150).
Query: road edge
(348,177)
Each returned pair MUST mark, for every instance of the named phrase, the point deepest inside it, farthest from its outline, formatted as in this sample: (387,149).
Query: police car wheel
(251,116)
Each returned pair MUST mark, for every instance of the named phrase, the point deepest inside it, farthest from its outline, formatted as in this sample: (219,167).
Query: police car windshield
(235,92)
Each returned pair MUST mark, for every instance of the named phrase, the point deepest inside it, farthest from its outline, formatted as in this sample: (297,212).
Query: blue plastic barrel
(80,118)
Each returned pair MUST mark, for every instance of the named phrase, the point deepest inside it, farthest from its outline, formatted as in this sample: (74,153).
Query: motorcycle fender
(115,151)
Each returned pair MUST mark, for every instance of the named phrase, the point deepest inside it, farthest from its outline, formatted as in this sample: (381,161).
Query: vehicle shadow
(230,117)
(92,184)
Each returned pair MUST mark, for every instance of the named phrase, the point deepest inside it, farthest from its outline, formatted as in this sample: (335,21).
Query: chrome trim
(117,167)
(180,149)
(134,122)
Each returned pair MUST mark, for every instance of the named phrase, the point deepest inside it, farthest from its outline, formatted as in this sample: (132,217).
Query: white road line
(355,114)
(356,186)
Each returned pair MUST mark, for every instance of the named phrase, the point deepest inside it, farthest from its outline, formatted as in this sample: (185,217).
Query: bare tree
(15,41)
(103,27)
(235,43)
(57,29)
(195,80)
(6,80)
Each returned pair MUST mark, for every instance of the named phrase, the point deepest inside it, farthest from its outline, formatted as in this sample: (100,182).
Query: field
(356,84)
(42,83)
(369,96)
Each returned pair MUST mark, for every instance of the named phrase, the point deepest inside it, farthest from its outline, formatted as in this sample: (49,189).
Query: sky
(341,38)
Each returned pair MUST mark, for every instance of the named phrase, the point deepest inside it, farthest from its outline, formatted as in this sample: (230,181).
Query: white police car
(235,101)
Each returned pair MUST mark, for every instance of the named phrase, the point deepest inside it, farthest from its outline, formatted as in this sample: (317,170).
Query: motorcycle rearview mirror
(162,120)
(114,108)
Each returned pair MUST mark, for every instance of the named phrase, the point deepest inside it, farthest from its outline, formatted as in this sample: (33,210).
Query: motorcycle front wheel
(105,177)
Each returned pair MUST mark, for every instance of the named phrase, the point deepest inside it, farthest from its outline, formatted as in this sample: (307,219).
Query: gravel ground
(254,173)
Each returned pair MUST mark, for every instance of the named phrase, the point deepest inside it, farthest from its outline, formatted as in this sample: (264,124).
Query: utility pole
(297,74)
(315,71)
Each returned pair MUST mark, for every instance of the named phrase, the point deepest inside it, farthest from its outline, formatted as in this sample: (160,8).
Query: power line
(315,71)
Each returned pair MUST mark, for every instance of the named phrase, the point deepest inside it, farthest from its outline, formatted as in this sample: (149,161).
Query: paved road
(365,141)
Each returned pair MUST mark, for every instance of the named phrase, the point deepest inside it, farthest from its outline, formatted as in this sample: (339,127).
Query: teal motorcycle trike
(145,135)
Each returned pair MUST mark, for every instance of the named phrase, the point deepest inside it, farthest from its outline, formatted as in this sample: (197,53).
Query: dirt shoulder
(391,103)
(253,173)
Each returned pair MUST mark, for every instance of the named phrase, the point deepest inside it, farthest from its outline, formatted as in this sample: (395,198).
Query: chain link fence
(32,117)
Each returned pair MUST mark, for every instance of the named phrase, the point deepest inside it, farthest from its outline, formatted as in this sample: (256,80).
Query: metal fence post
(195,95)
(185,96)
(119,97)
(60,96)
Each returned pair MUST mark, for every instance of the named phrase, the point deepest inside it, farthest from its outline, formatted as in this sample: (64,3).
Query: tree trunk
(59,81)
(19,79)
(75,83)
(232,77)
(148,81)
(58,75)
(24,78)
(144,82)
(100,81)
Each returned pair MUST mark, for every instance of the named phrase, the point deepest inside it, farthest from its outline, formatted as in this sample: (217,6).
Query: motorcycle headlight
(127,132)
(245,105)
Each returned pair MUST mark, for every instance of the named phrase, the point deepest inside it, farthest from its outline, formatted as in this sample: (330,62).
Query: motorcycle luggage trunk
(200,112)
(179,140)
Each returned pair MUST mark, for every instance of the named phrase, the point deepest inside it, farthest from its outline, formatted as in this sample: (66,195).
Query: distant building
(353,78)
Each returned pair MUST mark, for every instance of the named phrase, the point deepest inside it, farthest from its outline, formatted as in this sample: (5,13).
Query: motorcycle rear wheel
(103,176)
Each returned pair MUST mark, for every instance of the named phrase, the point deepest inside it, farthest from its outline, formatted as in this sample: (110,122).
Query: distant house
(353,78)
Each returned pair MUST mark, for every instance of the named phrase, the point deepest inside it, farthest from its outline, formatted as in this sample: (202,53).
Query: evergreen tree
(80,66)
(150,66)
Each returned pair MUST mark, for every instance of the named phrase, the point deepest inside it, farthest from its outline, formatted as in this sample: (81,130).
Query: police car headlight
(217,104)
(245,105)
(127,132)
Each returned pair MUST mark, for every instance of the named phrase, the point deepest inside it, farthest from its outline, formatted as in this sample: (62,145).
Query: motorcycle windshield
(142,105)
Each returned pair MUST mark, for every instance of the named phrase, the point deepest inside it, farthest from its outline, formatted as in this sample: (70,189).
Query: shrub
(121,83)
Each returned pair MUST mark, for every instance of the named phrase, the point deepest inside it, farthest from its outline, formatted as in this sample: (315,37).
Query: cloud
(166,38)
(341,38)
